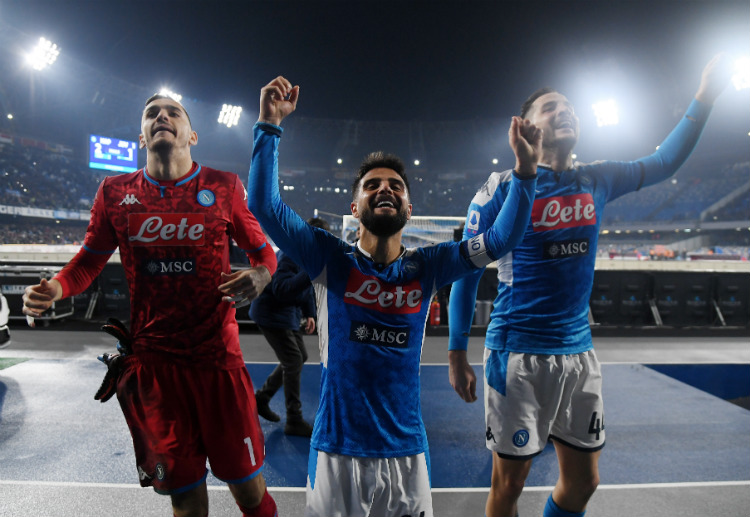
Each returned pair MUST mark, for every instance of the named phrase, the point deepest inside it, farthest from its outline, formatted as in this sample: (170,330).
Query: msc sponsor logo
(166,229)
(371,334)
(369,291)
(562,249)
(162,267)
(553,213)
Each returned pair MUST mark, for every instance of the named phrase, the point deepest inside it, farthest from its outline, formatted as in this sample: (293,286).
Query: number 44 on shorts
(596,426)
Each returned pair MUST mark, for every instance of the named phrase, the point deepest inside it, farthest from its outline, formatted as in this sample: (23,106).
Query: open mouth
(158,129)
(385,204)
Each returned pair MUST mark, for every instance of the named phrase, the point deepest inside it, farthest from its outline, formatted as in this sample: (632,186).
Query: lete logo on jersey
(554,213)
(166,229)
(369,291)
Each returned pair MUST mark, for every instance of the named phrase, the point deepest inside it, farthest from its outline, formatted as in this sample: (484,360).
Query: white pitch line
(634,486)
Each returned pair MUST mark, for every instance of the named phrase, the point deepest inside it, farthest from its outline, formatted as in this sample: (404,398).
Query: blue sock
(552,510)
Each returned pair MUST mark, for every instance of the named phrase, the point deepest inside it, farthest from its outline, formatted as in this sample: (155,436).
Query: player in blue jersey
(542,379)
(369,452)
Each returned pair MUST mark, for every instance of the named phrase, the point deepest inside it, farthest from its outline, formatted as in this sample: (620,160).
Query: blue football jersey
(371,317)
(545,282)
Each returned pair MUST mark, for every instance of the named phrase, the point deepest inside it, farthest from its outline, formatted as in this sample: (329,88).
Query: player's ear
(141,142)
(355,210)
(193,138)
(408,211)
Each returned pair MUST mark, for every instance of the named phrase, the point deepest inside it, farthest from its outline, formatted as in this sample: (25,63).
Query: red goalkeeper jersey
(174,239)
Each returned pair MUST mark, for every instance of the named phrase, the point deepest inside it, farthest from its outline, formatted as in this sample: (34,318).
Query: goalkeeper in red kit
(180,377)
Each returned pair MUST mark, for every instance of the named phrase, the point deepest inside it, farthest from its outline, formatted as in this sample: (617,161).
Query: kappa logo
(142,474)
(130,199)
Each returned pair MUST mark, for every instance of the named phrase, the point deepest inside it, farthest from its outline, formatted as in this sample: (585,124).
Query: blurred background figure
(278,311)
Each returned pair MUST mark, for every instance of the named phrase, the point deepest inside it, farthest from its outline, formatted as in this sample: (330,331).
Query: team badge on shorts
(161,473)
(521,438)
(206,198)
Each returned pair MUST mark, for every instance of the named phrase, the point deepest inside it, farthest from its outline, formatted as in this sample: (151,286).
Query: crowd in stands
(39,178)
(33,177)
(45,232)
(683,198)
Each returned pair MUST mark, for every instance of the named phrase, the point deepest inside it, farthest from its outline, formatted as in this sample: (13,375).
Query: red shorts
(180,416)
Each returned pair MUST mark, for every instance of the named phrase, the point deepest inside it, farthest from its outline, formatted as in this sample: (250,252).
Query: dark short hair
(158,96)
(526,106)
(378,160)
(317,222)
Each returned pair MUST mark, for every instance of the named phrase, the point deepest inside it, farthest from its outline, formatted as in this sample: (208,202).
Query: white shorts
(530,398)
(347,486)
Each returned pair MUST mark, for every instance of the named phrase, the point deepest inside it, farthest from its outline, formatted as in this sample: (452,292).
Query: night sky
(412,61)
(395,60)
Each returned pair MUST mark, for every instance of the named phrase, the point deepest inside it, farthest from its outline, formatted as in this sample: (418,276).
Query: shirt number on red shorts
(249,443)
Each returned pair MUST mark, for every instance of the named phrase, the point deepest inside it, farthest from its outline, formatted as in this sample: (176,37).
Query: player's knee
(591,484)
(189,507)
(249,494)
(507,487)
(584,486)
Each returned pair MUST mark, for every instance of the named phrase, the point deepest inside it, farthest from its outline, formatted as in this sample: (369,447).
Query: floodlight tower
(741,76)
(606,112)
(43,55)
(230,115)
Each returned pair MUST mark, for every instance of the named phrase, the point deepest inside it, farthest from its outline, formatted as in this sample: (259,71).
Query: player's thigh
(579,423)
(578,467)
(336,487)
(405,490)
(345,486)
(191,502)
(517,420)
(159,410)
(230,428)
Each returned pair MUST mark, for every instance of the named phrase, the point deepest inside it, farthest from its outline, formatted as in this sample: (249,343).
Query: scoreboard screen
(112,154)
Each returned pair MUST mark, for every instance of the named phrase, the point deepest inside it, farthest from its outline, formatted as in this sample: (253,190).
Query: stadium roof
(376,63)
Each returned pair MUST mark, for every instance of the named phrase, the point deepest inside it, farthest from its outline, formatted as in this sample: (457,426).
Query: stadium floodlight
(416,162)
(606,113)
(339,161)
(10,116)
(230,115)
(741,76)
(169,93)
(44,54)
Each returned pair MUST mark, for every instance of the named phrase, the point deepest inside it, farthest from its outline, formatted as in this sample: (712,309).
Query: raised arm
(287,229)
(678,145)
(505,233)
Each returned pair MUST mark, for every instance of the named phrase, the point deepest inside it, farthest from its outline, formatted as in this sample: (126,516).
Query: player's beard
(384,225)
